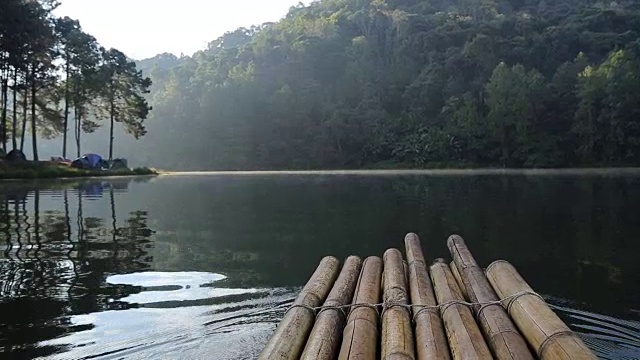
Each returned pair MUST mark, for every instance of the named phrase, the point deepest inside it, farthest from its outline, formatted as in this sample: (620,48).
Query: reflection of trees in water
(56,261)
(576,230)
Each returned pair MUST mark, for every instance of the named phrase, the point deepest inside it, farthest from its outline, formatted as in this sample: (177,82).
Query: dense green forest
(376,83)
(55,79)
(342,84)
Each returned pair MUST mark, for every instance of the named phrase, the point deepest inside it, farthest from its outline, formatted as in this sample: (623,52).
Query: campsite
(14,165)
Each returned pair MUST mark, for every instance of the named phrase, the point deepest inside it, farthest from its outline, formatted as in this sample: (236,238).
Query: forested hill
(365,83)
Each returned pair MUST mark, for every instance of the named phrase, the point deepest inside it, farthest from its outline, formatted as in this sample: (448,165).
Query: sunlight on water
(182,286)
(155,278)
(232,324)
(204,267)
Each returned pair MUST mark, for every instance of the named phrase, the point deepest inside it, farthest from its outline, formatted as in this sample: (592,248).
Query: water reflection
(169,289)
(191,266)
(56,258)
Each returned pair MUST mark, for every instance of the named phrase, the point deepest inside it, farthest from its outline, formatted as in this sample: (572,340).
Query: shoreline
(443,171)
(79,177)
(52,171)
(55,172)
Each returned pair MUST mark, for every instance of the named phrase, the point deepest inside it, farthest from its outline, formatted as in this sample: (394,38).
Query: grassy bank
(48,170)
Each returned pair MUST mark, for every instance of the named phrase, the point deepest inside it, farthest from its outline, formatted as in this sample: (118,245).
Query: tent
(94,160)
(16,156)
(81,163)
(90,161)
(119,164)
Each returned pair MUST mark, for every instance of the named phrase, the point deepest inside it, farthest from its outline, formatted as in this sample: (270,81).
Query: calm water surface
(203,266)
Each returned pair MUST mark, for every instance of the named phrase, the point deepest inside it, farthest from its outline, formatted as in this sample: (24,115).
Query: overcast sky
(144,28)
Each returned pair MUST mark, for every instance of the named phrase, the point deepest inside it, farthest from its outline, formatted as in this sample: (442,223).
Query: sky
(144,28)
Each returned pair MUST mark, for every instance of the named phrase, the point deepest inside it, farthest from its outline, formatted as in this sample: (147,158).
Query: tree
(26,43)
(39,60)
(13,16)
(81,54)
(355,83)
(511,95)
(122,94)
(607,119)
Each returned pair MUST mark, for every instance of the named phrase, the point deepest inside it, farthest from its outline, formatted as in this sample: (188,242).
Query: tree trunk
(77,111)
(77,129)
(5,100)
(66,111)
(14,121)
(24,113)
(34,134)
(112,113)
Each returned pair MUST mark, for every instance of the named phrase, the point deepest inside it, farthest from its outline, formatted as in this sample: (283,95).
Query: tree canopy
(348,84)
(358,83)
(49,67)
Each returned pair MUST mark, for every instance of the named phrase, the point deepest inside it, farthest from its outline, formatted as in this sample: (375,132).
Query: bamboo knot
(549,339)
(512,298)
(374,307)
(425,308)
(484,306)
(392,304)
(444,306)
(343,309)
(313,310)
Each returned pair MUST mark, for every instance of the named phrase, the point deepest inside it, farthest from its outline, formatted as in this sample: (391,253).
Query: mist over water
(204,265)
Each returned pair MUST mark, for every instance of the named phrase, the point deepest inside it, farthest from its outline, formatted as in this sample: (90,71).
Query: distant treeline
(356,83)
(55,77)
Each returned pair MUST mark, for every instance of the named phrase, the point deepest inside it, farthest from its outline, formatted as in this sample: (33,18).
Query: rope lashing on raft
(551,338)
(343,309)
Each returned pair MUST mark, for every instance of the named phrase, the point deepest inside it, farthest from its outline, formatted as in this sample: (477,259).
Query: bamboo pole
(431,340)
(456,275)
(397,334)
(360,337)
(501,333)
(465,338)
(547,334)
(291,334)
(405,269)
(325,337)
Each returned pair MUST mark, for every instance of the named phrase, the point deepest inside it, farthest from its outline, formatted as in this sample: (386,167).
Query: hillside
(359,83)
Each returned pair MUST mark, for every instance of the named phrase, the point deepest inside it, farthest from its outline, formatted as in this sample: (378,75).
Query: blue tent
(90,161)
(94,160)
(81,163)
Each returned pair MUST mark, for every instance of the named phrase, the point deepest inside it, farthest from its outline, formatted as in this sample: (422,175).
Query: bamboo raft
(393,309)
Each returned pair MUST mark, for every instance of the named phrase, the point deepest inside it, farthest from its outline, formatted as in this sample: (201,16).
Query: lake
(203,265)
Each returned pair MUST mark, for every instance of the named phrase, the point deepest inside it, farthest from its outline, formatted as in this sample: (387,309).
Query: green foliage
(122,94)
(607,120)
(54,67)
(355,83)
(81,54)
(349,83)
(512,94)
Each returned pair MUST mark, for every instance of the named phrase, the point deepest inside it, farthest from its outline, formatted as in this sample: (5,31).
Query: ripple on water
(191,315)
(178,315)
(608,337)
(179,289)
